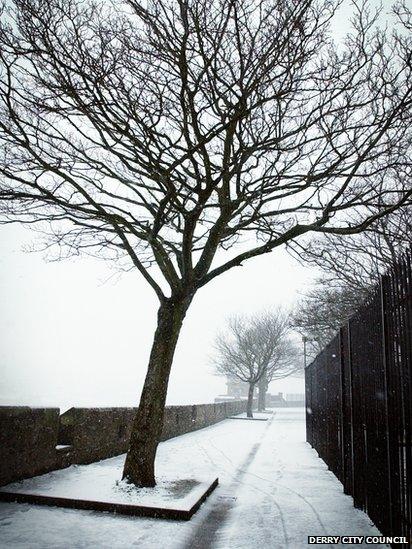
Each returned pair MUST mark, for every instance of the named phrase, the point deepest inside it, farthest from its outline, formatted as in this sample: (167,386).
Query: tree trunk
(263,387)
(249,412)
(148,423)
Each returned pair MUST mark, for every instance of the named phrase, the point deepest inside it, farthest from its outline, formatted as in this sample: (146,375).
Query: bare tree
(323,310)
(357,261)
(161,134)
(263,387)
(275,327)
(351,268)
(286,364)
(255,348)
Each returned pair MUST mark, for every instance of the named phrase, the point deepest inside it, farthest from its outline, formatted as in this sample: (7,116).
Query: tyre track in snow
(275,483)
(205,536)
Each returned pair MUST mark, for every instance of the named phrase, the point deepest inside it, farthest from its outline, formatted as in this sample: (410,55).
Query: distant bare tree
(160,134)
(256,348)
(289,364)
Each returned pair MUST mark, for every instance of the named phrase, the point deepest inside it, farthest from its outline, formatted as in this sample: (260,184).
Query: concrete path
(274,492)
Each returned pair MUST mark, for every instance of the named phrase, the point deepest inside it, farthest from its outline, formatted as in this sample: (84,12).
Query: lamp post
(304,339)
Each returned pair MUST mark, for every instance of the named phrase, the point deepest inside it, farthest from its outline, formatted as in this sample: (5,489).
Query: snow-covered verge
(274,492)
(102,482)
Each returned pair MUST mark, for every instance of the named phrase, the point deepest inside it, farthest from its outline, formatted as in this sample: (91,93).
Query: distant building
(235,390)
(275,401)
(295,399)
(238,390)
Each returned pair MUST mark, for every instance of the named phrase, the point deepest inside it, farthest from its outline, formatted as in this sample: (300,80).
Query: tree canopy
(164,132)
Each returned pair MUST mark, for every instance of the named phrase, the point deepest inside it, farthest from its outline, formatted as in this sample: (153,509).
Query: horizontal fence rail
(358,404)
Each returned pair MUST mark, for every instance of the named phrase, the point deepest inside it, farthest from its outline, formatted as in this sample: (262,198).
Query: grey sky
(69,337)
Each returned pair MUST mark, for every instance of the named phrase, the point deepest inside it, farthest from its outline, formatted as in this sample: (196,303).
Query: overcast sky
(70,337)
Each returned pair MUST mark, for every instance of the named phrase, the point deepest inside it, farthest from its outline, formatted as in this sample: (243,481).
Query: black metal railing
(358,404)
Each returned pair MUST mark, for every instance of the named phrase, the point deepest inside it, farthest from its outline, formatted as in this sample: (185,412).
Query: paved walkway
(274,492)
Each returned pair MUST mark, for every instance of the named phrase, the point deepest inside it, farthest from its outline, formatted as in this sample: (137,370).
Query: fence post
(307,406)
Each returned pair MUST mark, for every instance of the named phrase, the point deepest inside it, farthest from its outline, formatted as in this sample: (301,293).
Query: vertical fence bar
(385,363)
(347,410)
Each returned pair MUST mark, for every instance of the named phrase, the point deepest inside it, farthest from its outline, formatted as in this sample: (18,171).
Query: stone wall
(28,439)
(98,433)
(183,419)
(36,440)
(95,433)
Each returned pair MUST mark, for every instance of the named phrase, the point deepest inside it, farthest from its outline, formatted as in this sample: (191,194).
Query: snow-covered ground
(274,492)
(102,482)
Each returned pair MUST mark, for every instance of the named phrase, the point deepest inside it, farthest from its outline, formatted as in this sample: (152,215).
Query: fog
(76,332)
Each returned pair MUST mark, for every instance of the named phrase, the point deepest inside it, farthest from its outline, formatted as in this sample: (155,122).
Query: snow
(273,493)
